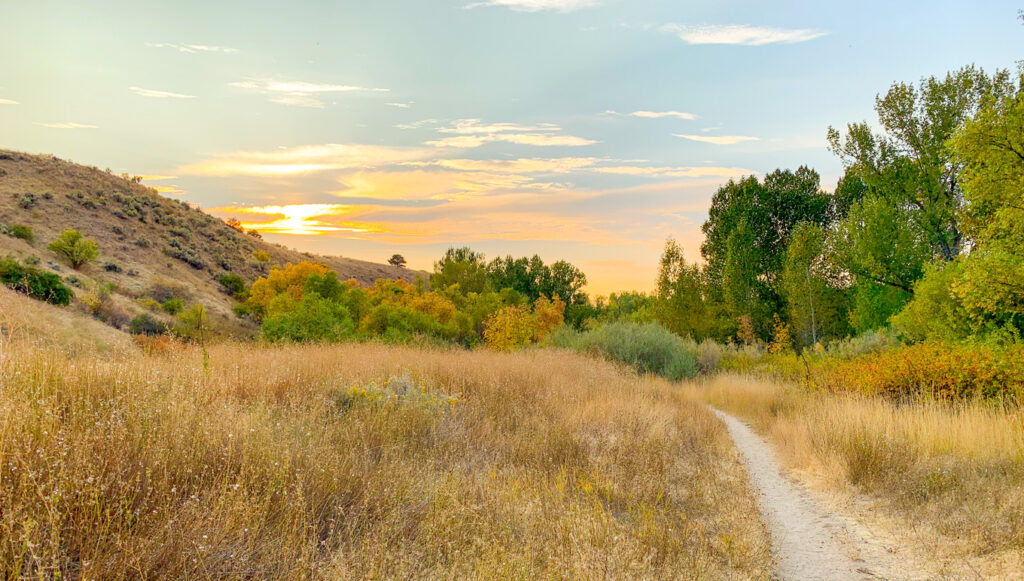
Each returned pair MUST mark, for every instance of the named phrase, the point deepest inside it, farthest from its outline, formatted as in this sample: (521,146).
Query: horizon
(582,130)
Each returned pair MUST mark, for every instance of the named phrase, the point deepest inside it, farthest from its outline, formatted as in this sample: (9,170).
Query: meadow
(360,461)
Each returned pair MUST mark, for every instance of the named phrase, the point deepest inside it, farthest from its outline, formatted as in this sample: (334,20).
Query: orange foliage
(548,316)
(936,370)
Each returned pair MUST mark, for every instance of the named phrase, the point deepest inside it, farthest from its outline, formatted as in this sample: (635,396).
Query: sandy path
(808,543)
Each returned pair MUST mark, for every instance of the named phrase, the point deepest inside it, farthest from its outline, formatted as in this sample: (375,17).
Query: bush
(931,370)
(43,286)
(509,328)
(311,320)
(146,324)
(648,348)
(75,248)
(23,232)
(173,306)
(232,284)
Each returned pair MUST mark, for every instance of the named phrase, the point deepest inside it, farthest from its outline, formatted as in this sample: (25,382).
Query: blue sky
(588,130)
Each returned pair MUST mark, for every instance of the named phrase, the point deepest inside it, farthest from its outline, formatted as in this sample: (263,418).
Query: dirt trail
(808,543)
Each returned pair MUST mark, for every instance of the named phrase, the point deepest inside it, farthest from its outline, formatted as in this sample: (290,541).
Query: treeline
(506,303)
(924,232)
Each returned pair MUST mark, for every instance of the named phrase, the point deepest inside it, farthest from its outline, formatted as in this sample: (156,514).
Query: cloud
(537,5)
(417,124)
(471,133)
(9,102)
(399,105)
(655,114)
(67,125)
(718,139)
(303,160)
(299,93)
(675,172)
(301,219)
(192,48)
(741,34)
(159,94)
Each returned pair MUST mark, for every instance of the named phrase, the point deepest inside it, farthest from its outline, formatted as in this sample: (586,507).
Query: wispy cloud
(299,93)
(192,48)
(159,94)
(718,139)
(9,102)
(655,114)
(399,105)
(471,133)
(417,124)
(303,160)
(300,219)
(741,34)
(537,5)
(675,172)
(67,125)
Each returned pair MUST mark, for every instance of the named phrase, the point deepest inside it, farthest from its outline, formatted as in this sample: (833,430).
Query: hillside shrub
(146,324)
(232,284)
(23,232)
(173,306)
(648,348)
(43,286)
(75,248)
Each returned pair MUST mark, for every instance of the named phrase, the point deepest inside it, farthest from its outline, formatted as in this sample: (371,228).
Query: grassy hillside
(145,239)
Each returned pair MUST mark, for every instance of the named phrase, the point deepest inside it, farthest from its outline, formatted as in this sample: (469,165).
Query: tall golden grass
(955,469)
(303,462)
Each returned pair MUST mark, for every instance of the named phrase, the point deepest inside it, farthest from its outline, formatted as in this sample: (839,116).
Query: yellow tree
(548,315)
(287,281)
(509,328)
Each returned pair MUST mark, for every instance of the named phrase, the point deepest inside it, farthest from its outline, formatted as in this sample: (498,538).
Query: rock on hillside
(144,238)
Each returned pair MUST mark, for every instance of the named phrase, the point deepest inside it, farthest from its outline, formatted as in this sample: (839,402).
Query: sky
(583,130)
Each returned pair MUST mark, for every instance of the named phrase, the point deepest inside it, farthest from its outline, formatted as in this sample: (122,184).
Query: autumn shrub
(936,370)
(510,328)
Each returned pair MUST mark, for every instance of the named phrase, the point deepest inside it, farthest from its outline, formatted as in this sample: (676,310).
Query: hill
(149,244)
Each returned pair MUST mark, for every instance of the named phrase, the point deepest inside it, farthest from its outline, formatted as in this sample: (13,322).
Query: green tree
(461,266)
(990,148)
(746,235)
(397,260)
(680,302)
(75,248)
(818,308)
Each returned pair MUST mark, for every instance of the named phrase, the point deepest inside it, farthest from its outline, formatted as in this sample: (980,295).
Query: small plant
(173,306)
(262,256)
(112,267)
(232,284)
(27,201)
(146,324)
(30,260)
(75,248)
(23,232)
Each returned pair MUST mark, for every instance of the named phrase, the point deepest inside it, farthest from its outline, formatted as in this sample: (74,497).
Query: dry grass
(30,322)
(952,474)
(278,464)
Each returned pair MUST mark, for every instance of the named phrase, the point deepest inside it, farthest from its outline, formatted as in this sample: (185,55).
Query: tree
(908,165)
(747,232)
(289,281)
(509,328)
(397,260)
(817,307)
(75,248)
(990,149)
(679,298)
(461,266)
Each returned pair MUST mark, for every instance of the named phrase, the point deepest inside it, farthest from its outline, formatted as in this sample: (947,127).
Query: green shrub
(311,320)
(648,348)
(173,306)
(75,248)
(23,232)
(146,324)
(43,286)
(232,284)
